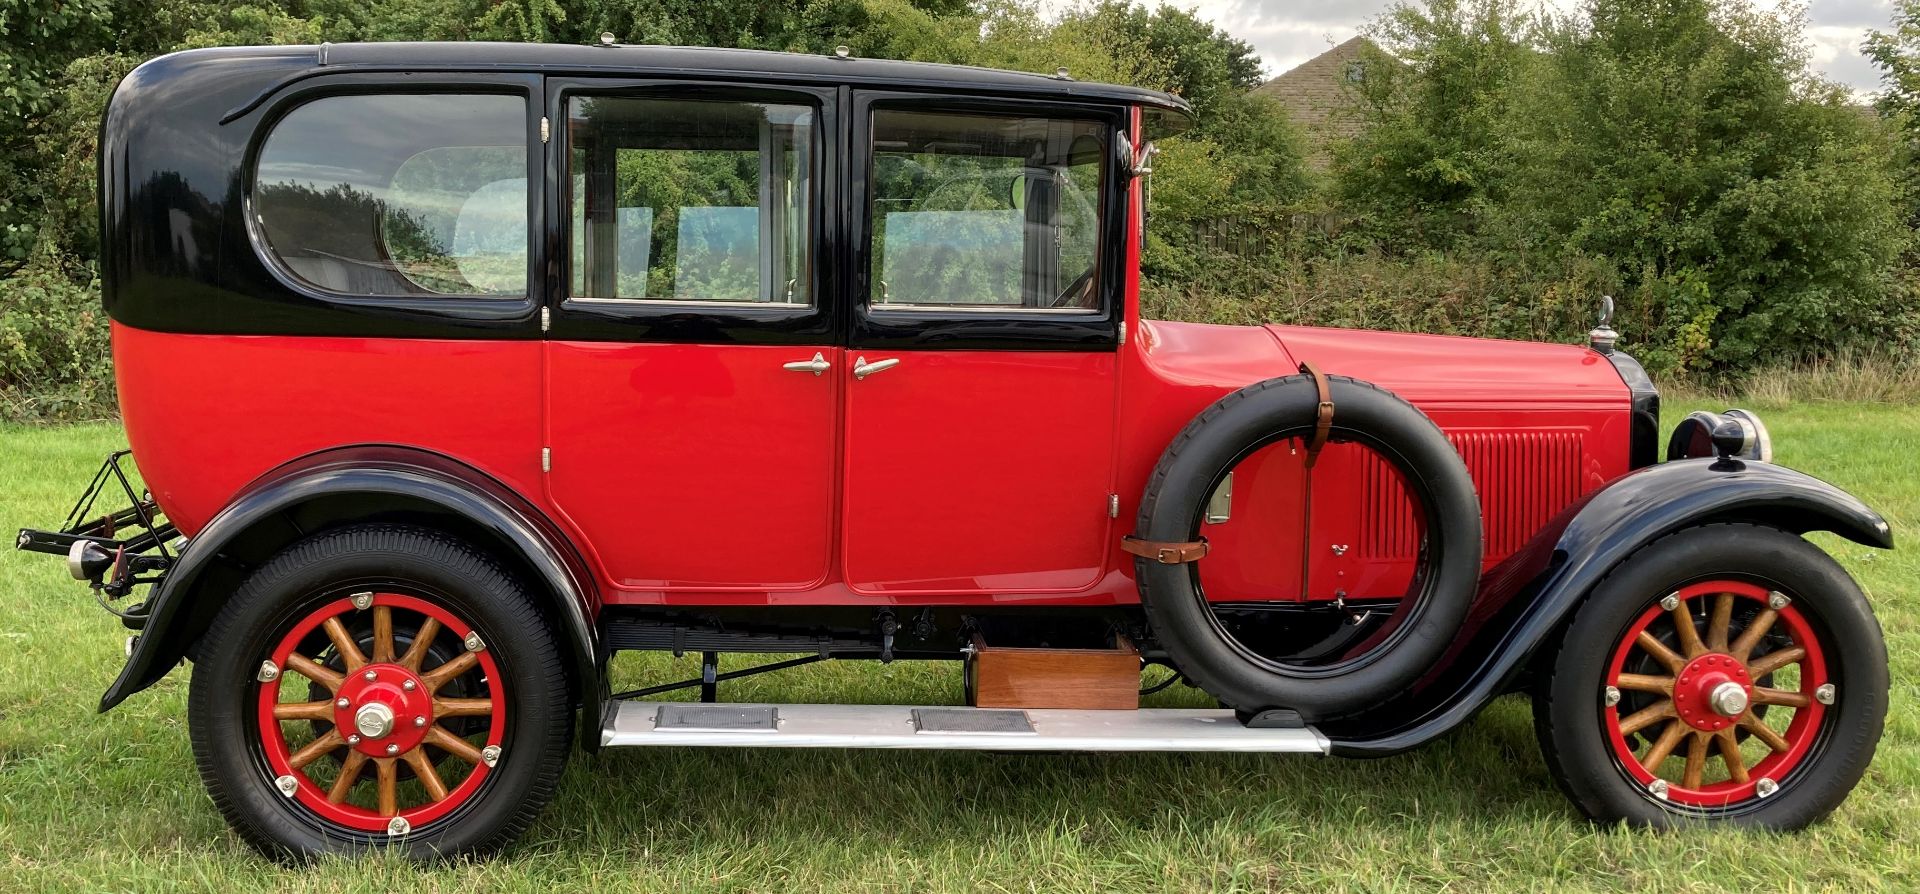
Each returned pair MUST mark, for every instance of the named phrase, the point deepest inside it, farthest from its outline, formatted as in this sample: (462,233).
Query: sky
(1288,32)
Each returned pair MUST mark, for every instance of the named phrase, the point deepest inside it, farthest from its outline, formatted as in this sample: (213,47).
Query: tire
(1605,772)
(508,686)
(1234,428)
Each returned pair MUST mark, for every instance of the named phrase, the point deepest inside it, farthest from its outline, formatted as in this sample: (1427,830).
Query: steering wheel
(1077,294)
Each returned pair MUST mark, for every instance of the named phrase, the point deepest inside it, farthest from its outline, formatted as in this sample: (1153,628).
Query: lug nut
(1658,788)
(1824,694)
(370,676)
(392,748)
(419,721)
(1777,600)
(287,785)
(408,685)
(353,739)
(399,826)
(1764,787)
(1613,696)
(361,600)
(268,672)
(342,702)
(1671,602)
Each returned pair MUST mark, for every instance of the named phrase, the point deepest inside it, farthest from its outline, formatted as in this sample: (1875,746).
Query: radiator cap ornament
(1602,338)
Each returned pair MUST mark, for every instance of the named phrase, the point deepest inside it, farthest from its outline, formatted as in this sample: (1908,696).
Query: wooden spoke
(452,744)
(1750,637)
(1730,754)
(1763,695)
(1763,732)
(422,641)
(1690,644)
(314,671)
(1653,646)
(429,777)
(1696,760)
(1663,747)
(388,772)
(1644,683)
(382,633)
(349,774)
(444,674)
(1645,717)
(462,707)
(344,644)
(321,710)
(1773,661)
(315,748)
(1718,623)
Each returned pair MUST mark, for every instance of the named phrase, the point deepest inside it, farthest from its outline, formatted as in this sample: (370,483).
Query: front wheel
(1727,672)
(380,685)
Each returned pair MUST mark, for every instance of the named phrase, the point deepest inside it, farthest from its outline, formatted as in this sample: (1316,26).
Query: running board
(634,723)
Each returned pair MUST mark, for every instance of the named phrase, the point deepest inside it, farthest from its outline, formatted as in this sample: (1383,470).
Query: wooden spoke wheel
(1735,700)
(381,686)
(1728,672)
(387,712)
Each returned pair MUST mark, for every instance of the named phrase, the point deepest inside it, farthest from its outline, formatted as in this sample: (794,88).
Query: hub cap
(397,741)
(1720,695)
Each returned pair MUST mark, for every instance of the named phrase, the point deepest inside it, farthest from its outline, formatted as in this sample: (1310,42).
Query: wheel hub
(386,706)
(1712,691)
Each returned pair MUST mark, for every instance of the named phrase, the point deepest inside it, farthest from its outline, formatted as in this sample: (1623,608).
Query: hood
(1444,370)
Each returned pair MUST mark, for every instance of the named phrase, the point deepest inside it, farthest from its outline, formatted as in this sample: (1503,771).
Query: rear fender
(1524,601)
(349,485)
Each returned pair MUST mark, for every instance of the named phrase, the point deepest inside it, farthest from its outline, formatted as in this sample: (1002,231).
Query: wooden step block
(1055,678)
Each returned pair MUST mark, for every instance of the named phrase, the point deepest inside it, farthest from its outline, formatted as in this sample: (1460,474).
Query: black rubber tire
(1230,430)
(1568,709)
(322,568)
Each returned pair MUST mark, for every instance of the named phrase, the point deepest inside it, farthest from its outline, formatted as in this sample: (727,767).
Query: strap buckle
(1164,552)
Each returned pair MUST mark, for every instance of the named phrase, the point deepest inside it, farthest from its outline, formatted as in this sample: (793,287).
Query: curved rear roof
(728,63)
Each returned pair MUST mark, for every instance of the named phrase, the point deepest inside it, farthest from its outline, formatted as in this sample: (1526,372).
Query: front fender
(1524,601)
(343,485)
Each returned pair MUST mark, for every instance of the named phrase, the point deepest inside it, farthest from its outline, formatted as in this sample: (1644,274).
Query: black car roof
(723,63)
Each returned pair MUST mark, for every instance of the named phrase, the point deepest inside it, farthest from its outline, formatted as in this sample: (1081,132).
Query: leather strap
(1163,552)
(1323,416)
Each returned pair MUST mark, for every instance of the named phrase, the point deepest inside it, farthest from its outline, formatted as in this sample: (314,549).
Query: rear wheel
(380,685)
(1728,672)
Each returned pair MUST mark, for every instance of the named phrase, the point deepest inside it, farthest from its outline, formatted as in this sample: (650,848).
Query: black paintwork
(357,484)
(1525,600)
(180,133)
(1644,437)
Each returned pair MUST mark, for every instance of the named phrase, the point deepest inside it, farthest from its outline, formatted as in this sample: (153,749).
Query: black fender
(1524,601)
(344,486)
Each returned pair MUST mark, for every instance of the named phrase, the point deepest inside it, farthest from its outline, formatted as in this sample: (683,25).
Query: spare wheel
(1341,675)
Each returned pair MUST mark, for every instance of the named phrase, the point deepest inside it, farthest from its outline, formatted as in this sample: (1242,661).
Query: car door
(693,357)
(984,326)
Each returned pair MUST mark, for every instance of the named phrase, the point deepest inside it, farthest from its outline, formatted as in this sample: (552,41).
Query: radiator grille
(1523,478)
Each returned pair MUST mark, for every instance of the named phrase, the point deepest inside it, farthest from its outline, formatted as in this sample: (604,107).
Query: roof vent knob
(607,39)
(843,51)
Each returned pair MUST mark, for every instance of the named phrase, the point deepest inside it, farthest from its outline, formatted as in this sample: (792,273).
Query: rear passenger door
(692,361)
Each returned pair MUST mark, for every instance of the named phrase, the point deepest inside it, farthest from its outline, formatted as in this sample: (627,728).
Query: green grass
(111,802)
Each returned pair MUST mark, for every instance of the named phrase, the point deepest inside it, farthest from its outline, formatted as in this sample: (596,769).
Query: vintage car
(452,370)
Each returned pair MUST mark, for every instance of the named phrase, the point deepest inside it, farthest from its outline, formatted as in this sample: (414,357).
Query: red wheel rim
(395,702)
(1689,710)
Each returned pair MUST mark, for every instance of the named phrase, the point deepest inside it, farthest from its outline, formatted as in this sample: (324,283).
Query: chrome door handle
(863,369)
(817,365)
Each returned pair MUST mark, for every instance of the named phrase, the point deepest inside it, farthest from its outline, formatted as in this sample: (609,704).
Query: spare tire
(1419,629)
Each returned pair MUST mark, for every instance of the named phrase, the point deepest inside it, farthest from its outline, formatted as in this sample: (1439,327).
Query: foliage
(53,346)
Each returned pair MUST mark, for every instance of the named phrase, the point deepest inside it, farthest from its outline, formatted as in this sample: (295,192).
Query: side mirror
(1134,162)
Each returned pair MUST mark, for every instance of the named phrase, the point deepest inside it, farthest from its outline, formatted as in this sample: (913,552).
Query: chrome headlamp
(1735,434)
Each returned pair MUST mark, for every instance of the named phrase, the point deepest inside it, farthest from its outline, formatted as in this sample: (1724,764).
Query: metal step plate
(636,723)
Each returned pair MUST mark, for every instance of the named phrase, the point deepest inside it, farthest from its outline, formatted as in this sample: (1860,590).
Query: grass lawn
(112,802)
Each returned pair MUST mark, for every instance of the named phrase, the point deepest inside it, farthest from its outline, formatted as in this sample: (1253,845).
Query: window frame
(475,308)
(691,320)
(986,327)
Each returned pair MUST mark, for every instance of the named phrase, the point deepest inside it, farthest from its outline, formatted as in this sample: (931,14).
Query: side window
(984,212)
(400,195)
(690,200)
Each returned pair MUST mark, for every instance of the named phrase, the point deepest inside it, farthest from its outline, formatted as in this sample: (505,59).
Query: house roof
(1318,94)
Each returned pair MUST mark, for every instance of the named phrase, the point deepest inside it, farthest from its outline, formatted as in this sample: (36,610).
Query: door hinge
(1123,332)
(546,130)
(1113,505)
(546,319)
(546,459)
